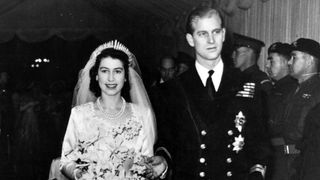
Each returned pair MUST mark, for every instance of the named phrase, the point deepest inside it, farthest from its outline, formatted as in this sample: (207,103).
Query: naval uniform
(215,139)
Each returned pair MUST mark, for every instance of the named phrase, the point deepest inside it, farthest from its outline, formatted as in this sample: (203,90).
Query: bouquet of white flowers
(99,161)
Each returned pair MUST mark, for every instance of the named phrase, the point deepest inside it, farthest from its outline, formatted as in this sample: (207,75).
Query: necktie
(209,85)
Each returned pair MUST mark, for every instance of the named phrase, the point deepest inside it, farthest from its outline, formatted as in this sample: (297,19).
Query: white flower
(306,96)
(238,143)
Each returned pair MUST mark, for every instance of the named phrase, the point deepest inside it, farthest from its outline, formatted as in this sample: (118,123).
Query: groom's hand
(158,166)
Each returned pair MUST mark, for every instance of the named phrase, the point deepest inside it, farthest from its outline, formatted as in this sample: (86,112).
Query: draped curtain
(38,20)
(7,5)
(277,20)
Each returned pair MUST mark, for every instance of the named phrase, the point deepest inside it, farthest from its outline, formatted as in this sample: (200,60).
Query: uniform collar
(311,80)
(251,69)
(216,76)
(285,80)
(286,83)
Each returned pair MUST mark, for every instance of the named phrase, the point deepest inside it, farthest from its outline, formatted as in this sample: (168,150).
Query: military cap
(245,41)
(284,49)
(309,46)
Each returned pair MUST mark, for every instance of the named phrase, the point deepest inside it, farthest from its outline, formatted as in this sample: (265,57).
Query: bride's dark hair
(115,54)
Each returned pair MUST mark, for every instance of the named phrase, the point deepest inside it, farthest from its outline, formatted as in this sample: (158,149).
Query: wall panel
(277,20)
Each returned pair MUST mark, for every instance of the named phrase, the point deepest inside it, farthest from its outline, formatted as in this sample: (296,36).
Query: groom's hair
(200,12)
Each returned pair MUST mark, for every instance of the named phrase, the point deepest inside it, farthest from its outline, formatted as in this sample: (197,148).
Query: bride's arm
(148,133)
(67,165)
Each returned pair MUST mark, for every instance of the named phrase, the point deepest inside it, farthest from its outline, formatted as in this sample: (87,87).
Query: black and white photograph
(159,90)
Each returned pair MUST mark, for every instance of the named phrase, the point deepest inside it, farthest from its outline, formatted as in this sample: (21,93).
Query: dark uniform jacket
(309,166)
(276,101)
(278,169)
(254,74)
(298,105)
(263,90)
(219,139)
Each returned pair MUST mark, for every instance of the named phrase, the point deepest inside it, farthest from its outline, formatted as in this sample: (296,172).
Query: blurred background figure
(7,120)
(6,105)
(27,132)
(167,70)
(184,61)
(279,54)
(245,57)
(55,115)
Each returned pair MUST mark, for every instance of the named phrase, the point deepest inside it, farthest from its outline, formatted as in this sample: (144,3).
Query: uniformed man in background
(277,67)
(304,67)
(245,57)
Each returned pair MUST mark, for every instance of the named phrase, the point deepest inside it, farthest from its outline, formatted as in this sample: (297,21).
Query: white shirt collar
(216,76)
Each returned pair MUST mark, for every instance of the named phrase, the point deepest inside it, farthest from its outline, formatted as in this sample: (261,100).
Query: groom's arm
(163,147)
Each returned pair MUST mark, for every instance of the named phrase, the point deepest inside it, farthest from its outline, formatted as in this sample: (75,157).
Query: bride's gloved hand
(158,167)
(77,173)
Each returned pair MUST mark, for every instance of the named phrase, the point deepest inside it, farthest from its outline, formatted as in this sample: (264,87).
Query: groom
(206,118)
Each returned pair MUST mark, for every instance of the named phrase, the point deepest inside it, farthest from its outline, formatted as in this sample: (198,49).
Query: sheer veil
(138,93)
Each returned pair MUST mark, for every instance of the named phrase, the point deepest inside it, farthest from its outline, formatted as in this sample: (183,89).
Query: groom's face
(207,38)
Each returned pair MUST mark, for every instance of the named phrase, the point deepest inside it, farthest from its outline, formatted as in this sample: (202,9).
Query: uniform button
(203,132)
(230,132)
(229,173)
(229,160)
(202,174)
(202,160)
(202,146)
(229,145)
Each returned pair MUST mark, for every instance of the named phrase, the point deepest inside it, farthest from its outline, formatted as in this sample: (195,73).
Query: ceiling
(169,10)
(38,20)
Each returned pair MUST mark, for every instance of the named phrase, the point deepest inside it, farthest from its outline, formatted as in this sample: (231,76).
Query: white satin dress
(108,148)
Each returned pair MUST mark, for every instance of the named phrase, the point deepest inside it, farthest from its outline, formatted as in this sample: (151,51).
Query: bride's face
(111,76)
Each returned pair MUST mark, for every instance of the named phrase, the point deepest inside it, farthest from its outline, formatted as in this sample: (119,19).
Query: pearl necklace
(112,115)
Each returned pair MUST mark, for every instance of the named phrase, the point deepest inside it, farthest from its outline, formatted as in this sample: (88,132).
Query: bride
(111,130)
